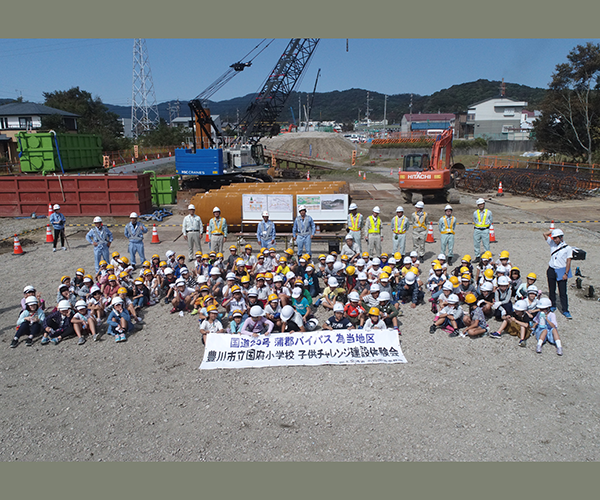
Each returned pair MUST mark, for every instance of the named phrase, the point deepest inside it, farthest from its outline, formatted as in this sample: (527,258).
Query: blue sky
(183,68)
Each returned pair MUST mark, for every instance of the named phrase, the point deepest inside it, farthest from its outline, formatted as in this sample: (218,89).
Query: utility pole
(368,112)
(144,111)
(385,98)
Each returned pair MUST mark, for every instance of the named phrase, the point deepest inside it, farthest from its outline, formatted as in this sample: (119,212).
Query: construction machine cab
(415,163)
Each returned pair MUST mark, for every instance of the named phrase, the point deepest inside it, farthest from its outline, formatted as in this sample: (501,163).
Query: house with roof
(426,123)
(17,117)
(498,118)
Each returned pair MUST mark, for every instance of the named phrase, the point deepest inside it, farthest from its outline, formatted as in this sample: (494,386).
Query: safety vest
(447,228)
(354,222)
(421,220)
(218,226)
(402,227)
(374,227)
(482,222)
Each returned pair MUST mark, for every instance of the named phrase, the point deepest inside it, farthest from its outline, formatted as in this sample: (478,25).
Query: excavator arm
(443,144)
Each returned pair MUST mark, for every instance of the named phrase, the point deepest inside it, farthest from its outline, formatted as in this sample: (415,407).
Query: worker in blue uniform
(134,232)
(101,237)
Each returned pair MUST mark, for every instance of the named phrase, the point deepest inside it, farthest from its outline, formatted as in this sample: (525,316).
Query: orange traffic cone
(169,153)
(207,239)
(492,234)
(132,159)
(364,176)
(308,176)
(430,238)
(145,157)
(359,173)
(49,237)
(500,190)
(552,228)
(17,250)
(50,211)
(158,156)
(154,234)
(391,171)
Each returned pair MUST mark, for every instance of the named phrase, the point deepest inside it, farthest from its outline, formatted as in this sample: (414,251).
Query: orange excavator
(422,174)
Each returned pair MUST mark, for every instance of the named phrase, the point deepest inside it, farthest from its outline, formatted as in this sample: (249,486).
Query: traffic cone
(154,234)
(500,190)
(145,157)
(359,173)
(430,238)
(114,163)
(158,156)
(364,176)
(132,159)
(169,154)
(17,250)
(318,229)
(50,211)
(492,234)
(552,226)
(49,237)
(207,239)
(308,176)
(391,171)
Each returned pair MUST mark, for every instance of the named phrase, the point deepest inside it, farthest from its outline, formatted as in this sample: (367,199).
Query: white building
(499,118)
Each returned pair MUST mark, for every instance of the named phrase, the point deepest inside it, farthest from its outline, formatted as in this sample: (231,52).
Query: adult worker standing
(58,221)
(265,232)
(559,269)
(101,237)
(482,219)
(134,232)
(303,230)
(191,227)
(419,229)
(447,225)
(217,230)
(355,224)
(374,236)
(399,229)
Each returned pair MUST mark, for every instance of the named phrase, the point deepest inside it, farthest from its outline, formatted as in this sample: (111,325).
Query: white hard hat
(557,232)
(520,305)
(95,289)
(407,260)
(532,289)
(133,215)
(441,257)
(297,292)
(287,312)
(448,207)
(376,261)
(191,207)
(486,286)
(414,253)
(353,296)
(360,263)
(202,279)
(419,204)
(312,324)
(545,303)
(31,300)
(392,261)
(349,236)
(362,276)
(352,206)
(290,275)
(338,307)
(230,276)
(376,210)
(265,214)
(332,282)
(338,266)
(168,270)
(301,207)
(256,311)
(399,209)
(277,278)
(452,298)
(116,300)
(169,253)
(63,305)
(28,289)
(384,296)
(215,271)
(449,286)
(185,270)
(97,219)
(253,292)
(80,303)
(374,288)
(410,278)
(56,207)
(216,209)
(180,281)
(479,201)
(329,258)
(503,280)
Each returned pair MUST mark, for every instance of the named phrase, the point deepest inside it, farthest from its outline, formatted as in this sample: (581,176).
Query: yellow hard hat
(454,280)
(365,255)
(89,276)
(467,258)
(115,254)
(232,247)
(268,276)
(344,257)
(260,276)
(515,268)
(488,273)
(322,256)
(155,256)
(80,270)
(374,311)
(387,269)
(64,278)
(504,254)
(532,276)
(282,259)
(162,263)
(205,256)
(138,281)
(397,256)
(110,266)
(289,251)
(350,270)
(211,308)
(122,290)
(124,260)
(436,261)
(112,277)
(465,277)
(470,298)
(147,272)
(235,288)
(123,274)
(198,254)
(464,269)
(219,255)
(146,263)
(487,255)
(414,270)
(384,255)
(273,297)
(384,276)
(102,263)
(437,267)
(248,246)
(245,279)
(306,257)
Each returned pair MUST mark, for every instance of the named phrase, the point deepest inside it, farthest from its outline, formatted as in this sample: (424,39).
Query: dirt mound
(325,145)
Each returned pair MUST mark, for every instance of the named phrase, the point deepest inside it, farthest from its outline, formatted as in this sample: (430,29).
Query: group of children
(259,294)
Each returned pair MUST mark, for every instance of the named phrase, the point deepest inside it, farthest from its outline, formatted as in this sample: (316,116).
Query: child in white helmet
(545,327)
(338,321)
(257,324)
(30,322)
(84,322)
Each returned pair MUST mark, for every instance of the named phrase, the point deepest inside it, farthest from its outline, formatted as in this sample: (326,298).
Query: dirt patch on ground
(325,146)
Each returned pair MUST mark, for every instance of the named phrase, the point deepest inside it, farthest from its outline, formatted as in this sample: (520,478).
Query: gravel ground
(455,399)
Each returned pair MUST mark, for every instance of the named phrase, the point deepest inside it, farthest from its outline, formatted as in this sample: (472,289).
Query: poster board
(279,206)
(325,207)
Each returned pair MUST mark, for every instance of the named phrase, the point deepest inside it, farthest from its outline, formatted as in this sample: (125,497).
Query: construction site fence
(580,169)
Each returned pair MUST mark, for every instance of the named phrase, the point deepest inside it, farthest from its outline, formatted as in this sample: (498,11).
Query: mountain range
(347,106)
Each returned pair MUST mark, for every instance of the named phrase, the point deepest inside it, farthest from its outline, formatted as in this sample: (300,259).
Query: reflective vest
(354,222)
(218,226)
(400,228)
(420,220)
(447,228)
(482,222)
(374,227)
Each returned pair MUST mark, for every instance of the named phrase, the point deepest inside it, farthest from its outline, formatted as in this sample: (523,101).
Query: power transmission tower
(144,111)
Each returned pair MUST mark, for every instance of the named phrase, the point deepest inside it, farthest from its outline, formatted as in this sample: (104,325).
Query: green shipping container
(164,188)
(76,151)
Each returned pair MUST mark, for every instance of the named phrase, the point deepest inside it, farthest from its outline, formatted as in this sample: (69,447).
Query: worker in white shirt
(191,228)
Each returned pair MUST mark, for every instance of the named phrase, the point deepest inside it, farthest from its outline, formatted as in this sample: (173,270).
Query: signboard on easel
(325,207)
(279,206)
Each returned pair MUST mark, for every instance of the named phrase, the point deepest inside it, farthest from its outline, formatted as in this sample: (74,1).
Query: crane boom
(261,116)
